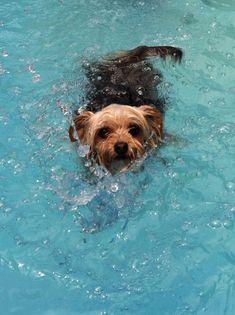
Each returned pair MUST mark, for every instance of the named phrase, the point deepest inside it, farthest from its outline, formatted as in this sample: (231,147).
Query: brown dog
(124,114)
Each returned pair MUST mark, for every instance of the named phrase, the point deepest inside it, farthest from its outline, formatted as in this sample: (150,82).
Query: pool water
(158,240)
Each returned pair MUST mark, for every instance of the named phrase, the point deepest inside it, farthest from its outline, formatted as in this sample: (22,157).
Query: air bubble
(230,185)
(213,24)
(20,265)
(7,210)
(98,290)
(36,78)
(83,150)
(30,68)
(215,224)
(232,210)
(114,187)
(40,274)
(228,224)
(209,68)
(229,56)
(4,53)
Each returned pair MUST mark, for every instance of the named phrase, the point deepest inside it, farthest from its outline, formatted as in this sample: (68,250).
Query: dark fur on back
(129,84)
(127,79)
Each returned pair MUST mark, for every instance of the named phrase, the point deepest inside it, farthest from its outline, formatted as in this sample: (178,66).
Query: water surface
(156,241)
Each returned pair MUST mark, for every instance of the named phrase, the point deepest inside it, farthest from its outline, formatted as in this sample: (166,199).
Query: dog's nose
(121,147)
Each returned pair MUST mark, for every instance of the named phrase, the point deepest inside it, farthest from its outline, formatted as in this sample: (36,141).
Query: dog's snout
(121,147)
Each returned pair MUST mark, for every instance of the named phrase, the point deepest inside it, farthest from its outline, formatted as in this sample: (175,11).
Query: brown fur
(119,122)
(124,115)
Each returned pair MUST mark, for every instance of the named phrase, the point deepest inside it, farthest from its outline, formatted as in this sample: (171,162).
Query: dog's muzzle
(121,148)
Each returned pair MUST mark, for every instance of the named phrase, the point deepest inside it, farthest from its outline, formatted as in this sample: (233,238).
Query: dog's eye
(103,133)
(134,130)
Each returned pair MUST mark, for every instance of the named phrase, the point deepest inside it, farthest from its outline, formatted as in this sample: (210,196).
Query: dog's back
(127,79)
(131,84)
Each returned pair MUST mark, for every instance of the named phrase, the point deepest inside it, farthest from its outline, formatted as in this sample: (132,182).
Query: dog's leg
(71,134)
(142,52)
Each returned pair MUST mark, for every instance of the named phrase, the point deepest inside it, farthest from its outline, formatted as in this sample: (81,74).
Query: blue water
(159,240)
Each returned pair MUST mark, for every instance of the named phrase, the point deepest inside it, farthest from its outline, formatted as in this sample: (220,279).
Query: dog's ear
(81,124)
(154,118)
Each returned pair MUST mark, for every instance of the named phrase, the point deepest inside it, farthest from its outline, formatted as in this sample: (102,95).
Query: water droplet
(36,78)
(98,290)
(213,24)
(209,68)
(4,53)
(30,68)
(232,210)
(186,36)
(7,210)
(139,91)
(114,187)
(230,185)
(83,150)
(40,274)
(229,56)
(228,224)
(20,265)
(215,224)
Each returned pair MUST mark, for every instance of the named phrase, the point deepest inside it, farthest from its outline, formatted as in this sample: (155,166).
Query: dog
(123,116)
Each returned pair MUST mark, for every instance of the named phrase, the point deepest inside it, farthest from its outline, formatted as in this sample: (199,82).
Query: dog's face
(119,134)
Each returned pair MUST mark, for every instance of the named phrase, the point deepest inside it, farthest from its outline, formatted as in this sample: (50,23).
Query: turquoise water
(156,241)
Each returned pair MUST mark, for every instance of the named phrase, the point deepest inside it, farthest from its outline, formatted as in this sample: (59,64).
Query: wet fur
(127,78)
(121,93)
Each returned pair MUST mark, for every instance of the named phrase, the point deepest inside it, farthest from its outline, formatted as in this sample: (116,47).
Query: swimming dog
(123,116)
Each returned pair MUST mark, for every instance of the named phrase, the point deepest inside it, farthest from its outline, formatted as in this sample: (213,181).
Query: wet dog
(124,114)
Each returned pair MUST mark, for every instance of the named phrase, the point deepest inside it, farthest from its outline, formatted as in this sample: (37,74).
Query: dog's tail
(142,52)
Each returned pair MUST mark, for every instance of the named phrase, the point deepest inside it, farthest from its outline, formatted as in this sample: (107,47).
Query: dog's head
(119,134)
